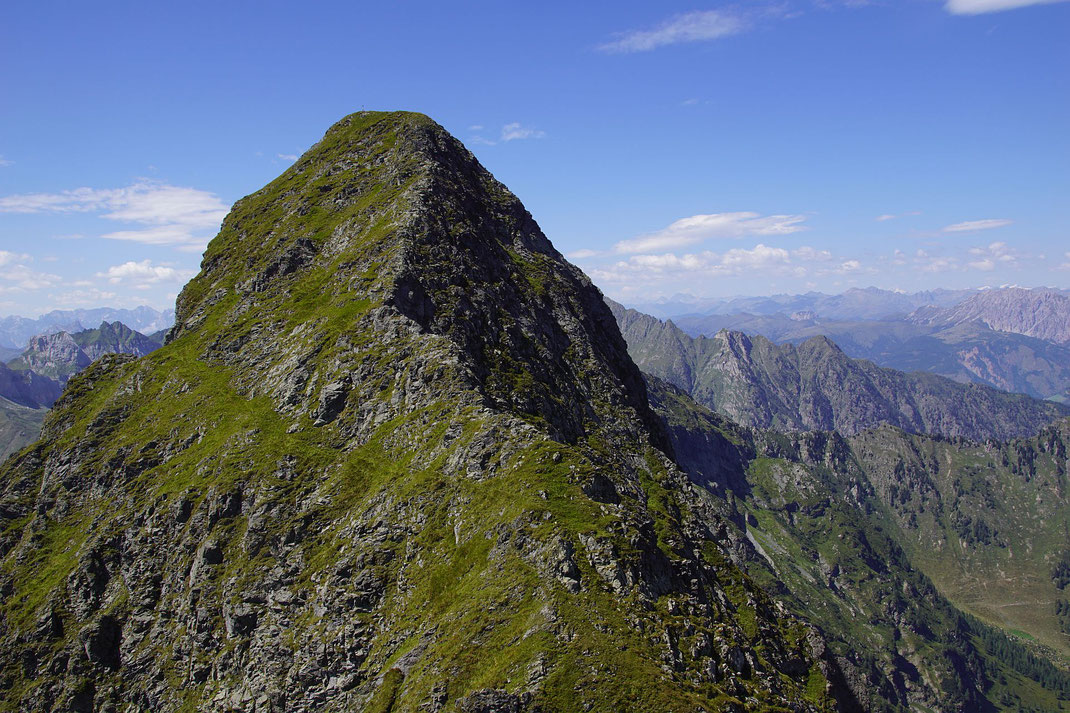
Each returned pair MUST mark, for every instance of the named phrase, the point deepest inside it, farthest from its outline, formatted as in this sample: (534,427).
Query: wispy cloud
(582,254)
(92,296)
(762,259)
(978,7)
(1065,265)
(514,131)
(697,228)
(291,157)
(699,26)
(973,225)
(894,216)
(5,162)
(7,257)
(926,262)
(171,215)
(144,274)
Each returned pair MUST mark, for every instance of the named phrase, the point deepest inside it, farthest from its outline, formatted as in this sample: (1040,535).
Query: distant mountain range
(31,383)
(61,355)
(1012,338)
(855,303)
(815,386)
(16,332)
(1044,314)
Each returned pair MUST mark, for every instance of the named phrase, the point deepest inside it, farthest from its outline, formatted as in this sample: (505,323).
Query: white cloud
(977,7)
(697,228)
(762,259)
(16,276)
(971,225)
(7,257)
(894,216)
(510,132)
(144,273)
(182,217)
(992,256)
(5,162)
(934,263)
(291,157)
(514,131)
(581,254)
(699,26)
(1065,265)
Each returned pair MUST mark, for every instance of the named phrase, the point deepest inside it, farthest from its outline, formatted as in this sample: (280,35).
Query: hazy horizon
(718,149)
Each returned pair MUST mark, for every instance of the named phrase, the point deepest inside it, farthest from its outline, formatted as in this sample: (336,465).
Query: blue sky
(708,148)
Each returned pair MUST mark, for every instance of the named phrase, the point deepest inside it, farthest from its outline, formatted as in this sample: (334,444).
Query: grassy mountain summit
(394,456)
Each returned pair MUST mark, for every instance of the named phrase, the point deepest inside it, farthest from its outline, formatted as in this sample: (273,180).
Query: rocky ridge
(815,386)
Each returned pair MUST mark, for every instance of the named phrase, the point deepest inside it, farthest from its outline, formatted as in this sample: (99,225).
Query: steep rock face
(815,386)
(855,532)
(57,356)
(394,456)
(1040,313)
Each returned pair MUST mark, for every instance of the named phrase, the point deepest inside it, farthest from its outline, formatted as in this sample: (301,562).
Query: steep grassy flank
(987,522)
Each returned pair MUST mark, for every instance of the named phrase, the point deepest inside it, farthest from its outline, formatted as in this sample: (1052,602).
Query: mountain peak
(390,212)
(394,453)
